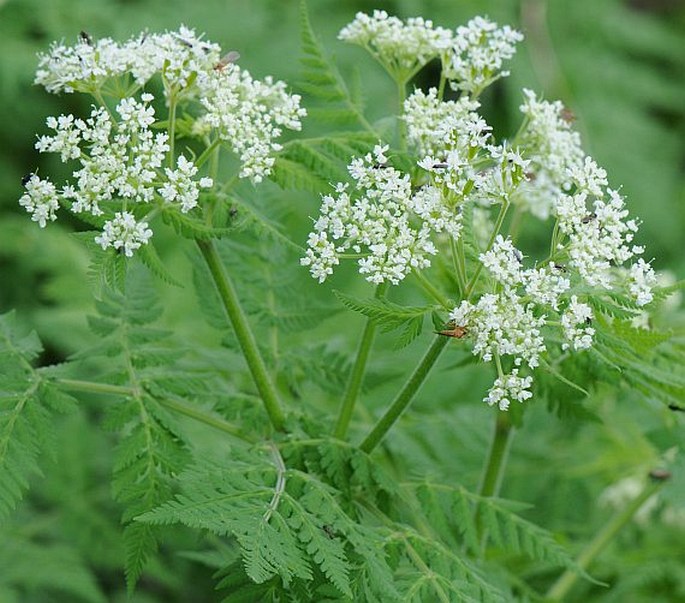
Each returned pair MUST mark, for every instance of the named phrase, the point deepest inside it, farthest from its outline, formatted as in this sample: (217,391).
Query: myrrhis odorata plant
(345,430)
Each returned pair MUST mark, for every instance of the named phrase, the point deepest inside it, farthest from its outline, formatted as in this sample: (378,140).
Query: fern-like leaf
(322,80)
(390,316)
(26,405)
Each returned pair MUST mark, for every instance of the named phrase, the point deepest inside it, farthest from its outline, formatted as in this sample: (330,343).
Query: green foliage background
(618,65)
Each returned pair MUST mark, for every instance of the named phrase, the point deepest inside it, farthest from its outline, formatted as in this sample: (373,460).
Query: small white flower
(553,148)
(401,47)
(507,388)
(180,186)
(123,232)
(478,51)
(381,219)
(40,200)
(641,281)
(249,115)
(500,323)
(576,321)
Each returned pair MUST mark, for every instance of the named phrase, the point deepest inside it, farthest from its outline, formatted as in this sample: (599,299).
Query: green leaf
(390,316)
(26,405)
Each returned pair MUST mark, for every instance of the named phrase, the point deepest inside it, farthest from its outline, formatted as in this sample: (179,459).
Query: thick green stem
(566,581)
(405,396)
(493,471)
(357,375)
(243,333)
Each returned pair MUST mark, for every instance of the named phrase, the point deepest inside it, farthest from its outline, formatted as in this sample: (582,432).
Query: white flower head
(123,232)
(502,324)
(249,115)
(178,56)
(576,322)
(479,50)
(508,388)
(401,47)
(381,219)
(180,186)
(40,200)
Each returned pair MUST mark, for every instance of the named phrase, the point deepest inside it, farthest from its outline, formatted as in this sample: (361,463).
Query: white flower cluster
(179,56)
(249,115)
(380,219)
(401,47)
(576,321)
(502,324)
(120,161)
(123,163)
(512,315)
(123,232)
(507,388)
(454,141)
(180,186)
(472,56)
(598,236)
(478,50)
(554,149)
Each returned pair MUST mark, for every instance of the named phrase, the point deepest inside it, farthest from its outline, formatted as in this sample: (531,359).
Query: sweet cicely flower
(478,52)
(125,167)
(517,312)
(401,47)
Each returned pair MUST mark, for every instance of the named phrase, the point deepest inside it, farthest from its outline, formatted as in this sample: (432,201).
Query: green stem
(459,263)
(357,375)
(516,221)
(493,471)
(172,404)
(402,126)
(566,581)
(202,417)
(243,333)
(405,396)
(441,85)
(207,153)
(97,95)
(495,232)
(171,129)
(433,291)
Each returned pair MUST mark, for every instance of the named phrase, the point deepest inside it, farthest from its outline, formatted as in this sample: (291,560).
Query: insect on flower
(86,38)
(227,59)
(453,330)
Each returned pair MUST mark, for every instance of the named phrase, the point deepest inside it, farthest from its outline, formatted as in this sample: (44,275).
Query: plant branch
(94,388)
(566,581)
(201,416)
(495,232)
(246,339)
(357,375)
(432,290)
(493,471)
(405,396)
(168,402)
(279,488)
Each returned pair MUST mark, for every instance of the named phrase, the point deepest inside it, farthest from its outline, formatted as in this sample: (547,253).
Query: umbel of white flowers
(123,168)
(519,310)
